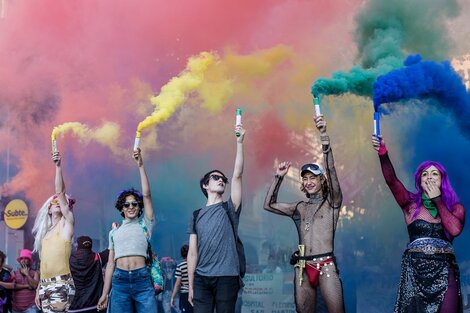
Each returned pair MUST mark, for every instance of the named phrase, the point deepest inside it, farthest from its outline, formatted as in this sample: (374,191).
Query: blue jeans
(132,292)
(219,292)
(166,300)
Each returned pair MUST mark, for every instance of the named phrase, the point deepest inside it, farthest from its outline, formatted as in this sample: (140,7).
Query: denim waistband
(131,272)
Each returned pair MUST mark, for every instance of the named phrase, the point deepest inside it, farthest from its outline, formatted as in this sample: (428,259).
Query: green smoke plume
(386,32)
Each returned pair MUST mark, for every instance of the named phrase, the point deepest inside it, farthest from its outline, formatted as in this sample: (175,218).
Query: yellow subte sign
(16,214)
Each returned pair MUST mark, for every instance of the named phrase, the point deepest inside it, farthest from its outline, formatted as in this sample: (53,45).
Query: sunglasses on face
(216,177)
(129,204)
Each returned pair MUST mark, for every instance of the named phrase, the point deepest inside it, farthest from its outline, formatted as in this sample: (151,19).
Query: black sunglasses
(217,177)
(128,204)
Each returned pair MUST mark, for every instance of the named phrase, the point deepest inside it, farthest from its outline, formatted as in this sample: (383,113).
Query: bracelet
(324,137)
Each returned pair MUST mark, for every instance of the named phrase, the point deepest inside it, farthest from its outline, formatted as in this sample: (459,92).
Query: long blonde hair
(43,223)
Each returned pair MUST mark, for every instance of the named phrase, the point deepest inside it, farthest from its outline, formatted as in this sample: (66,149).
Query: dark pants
(185,306)
(211,292)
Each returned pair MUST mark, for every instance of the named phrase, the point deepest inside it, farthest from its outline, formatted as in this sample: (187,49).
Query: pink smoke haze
(64,61)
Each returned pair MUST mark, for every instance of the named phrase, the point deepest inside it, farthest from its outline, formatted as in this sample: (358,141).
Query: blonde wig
(43,222)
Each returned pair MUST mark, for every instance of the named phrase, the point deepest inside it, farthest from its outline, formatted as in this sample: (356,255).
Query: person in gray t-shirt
(213,265)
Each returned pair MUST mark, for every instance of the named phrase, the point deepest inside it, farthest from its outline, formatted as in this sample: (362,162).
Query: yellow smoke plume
(106,135)
(213,81)
(175,92)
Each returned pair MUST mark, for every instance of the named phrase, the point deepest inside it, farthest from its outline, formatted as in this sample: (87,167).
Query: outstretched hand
(56,158)
(138,157)
(320,123)
(240,130)
(283,168)
(376,142)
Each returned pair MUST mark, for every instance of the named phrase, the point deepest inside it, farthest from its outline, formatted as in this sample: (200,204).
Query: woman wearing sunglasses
(126,270)
(53,231)
(429,279)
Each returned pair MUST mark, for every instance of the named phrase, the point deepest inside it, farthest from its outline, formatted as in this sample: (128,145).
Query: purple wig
(447,193)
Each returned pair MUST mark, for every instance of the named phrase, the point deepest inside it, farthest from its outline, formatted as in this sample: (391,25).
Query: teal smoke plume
(387,31)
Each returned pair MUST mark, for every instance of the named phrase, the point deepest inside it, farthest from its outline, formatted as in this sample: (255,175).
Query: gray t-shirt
(129,238)
(217,252)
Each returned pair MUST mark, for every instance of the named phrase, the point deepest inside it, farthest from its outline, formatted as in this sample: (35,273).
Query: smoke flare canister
(316,103)
(376,124)
(137,140)
(238,120)
(54,144)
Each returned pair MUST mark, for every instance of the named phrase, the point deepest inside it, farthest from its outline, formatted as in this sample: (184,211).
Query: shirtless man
(315,220)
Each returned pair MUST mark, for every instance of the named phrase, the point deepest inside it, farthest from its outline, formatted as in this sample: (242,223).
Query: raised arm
(270,202)
(60,192)
(144,181)
(236,192)
(402,196)
(335,194)
(192,262)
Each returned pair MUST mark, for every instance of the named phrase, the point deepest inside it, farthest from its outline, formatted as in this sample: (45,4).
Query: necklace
(309,217)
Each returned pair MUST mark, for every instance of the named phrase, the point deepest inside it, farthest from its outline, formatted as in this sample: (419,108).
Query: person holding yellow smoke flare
(53,231)
(129,245)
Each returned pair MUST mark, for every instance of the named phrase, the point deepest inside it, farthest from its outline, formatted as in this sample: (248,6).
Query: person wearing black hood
(86,267)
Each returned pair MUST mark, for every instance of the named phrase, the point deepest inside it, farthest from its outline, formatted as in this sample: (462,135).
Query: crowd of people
(210,275)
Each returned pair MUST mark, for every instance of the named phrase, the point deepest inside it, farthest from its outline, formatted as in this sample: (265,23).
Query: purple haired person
(430,279)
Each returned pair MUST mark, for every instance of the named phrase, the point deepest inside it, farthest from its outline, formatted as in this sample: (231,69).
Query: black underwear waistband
(295,257)
(316,256)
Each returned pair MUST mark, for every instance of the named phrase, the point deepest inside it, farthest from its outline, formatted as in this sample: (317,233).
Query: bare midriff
(130,263)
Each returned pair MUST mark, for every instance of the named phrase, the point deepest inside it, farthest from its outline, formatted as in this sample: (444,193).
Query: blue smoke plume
(422,80)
